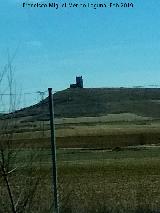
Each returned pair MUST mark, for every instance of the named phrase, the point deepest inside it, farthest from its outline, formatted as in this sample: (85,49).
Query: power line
(26,93)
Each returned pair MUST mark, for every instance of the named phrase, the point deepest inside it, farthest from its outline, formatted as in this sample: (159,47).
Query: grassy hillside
(97,102)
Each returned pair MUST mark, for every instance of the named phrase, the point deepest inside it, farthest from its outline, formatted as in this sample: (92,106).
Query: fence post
(53,147)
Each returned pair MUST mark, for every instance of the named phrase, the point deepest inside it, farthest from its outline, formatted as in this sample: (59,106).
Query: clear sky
(107,46)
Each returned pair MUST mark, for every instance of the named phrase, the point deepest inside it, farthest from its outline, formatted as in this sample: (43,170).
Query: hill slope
(79,102)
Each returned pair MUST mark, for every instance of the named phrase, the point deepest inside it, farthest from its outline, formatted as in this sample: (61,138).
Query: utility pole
(53,147)
(42,94)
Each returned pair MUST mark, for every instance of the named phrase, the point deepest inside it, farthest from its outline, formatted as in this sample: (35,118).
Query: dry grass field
(89,181)
(103,132)
(102,167)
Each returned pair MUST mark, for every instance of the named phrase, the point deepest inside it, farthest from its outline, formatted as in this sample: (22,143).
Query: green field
(103,165)
(118,180)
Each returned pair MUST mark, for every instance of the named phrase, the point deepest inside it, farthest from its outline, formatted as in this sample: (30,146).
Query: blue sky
(107,46)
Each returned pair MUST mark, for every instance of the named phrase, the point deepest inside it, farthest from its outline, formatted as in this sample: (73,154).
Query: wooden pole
(53,147)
